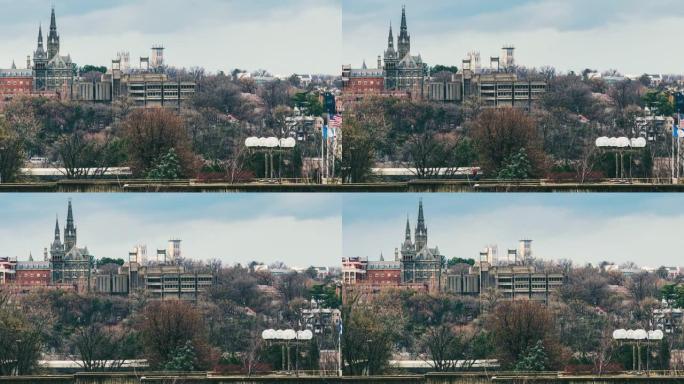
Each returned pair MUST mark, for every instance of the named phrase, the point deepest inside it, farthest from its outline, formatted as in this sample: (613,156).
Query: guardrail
(541,185)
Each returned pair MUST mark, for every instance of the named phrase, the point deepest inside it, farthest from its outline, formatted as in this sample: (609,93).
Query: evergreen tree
(182,359)
(516,167)
(168,167)
(534,359)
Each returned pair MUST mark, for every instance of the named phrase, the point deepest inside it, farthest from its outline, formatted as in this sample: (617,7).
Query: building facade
(403,70)
(33,274)
(52,72)
(163,279)
(15,81)
(69,263)
(421,264)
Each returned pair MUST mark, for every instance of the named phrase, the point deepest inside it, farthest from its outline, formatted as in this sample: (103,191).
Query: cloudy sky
(644,228)
(284,37)
(301,230)
(632,36)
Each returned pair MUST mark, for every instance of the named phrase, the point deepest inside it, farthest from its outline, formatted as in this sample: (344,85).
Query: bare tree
(87,156)
(151,133)
(98,348)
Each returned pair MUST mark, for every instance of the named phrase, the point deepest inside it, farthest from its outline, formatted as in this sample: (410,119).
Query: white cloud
(294,37)
(634,37)
(558,233)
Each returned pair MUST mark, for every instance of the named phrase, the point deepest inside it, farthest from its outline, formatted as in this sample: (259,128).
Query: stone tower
(69,231)
(391,61)
(404,43)
(421,229)
(53,38)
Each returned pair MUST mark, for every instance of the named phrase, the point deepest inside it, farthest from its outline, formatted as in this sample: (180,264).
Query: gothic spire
(70,216)
(40,36)
(403,19)
(390,39)
(53,21)
(408,229)
(421,217)
(421,229)
(57,236)
(404,39)
(14,66)
(70,230)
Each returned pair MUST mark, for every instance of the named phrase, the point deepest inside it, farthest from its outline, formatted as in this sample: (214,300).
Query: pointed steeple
(53,37)
(70,230)
(40,36)
(382,257)
(404,40)
(421,229)
(390,39)
(421,216)
(70,216)
(53,21)
(30,256)
(14,66)
(408,229)
(364,66)
(58,238)
(403,18)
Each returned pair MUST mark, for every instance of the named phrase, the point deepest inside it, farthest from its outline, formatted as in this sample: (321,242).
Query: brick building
(33,274)
(15,81)
(383,272)
(363,81)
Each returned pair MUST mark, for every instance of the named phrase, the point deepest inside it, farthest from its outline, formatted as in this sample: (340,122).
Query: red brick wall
(365,85)
(36,277)
(15,85)
(383,277)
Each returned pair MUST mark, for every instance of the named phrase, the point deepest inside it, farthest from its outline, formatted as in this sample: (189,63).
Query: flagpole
(321,170)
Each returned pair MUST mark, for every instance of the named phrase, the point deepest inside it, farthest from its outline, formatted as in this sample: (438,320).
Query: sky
(284,37)
(298,229)
(633,36)
(584,228)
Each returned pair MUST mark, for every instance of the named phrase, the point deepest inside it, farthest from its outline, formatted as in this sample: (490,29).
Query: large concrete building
(492,89)
(144,87)
(509,282)
(163,279)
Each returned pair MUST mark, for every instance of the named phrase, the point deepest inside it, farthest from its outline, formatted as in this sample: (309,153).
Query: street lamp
(635,337)
(620,146)
(269,145)
(284,337)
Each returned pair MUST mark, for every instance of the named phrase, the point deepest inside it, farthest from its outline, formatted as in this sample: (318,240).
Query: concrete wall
(71,186)
(431,378)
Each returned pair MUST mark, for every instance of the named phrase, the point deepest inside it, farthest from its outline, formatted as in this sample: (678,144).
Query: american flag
(335,122)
